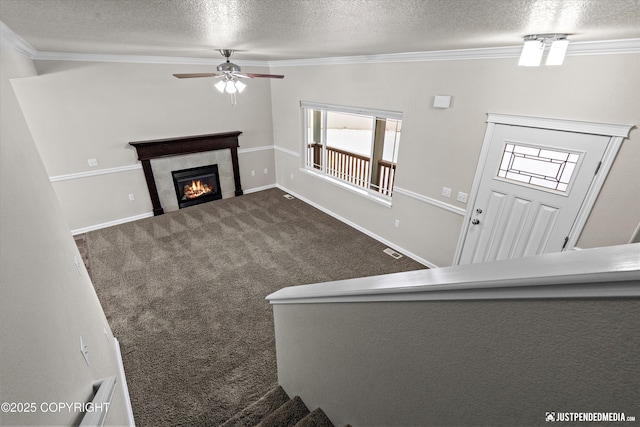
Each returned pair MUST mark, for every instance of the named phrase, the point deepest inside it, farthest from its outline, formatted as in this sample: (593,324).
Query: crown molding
(575,49)
(606,47)
(138,59)
(14,41)
(438,55)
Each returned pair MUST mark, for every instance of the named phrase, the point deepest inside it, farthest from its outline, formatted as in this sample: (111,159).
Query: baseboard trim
(267,187)
(111,223)
(147,215)
(360,228)
(125,388)
(256,189)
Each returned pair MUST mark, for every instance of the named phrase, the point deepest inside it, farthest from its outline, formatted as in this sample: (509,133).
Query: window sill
(385,201)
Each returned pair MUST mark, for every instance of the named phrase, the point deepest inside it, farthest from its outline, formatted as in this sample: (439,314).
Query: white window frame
(322,173)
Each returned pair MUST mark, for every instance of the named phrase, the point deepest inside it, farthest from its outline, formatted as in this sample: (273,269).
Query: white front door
(529,191)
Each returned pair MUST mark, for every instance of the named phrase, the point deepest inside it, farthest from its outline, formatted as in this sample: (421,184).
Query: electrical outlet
(291,176)
(92,162)
(462,197)
(253,173)
(446,191)
(132,197)
(396,224)
(266,171)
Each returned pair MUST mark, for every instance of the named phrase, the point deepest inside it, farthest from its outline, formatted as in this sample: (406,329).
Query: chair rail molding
(88,174)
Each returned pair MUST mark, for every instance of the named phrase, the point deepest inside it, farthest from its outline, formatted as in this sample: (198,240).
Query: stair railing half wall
(450,345)
(100,403)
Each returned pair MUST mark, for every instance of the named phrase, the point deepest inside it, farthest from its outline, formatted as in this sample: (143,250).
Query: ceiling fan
(229,73)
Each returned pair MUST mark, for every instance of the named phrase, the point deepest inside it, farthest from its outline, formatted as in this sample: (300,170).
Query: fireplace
(197,185)
(148,150)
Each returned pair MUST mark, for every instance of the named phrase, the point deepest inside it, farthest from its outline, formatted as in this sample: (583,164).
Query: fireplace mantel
(154,149)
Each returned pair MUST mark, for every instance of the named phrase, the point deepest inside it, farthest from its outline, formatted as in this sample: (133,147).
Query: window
(547,168)
(359,147)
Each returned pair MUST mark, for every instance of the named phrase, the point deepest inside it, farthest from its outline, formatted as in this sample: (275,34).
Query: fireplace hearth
(197,185)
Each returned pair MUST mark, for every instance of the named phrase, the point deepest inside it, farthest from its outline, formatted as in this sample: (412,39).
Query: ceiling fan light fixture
(229,73)
(240,86)
(230,87)
(220,86)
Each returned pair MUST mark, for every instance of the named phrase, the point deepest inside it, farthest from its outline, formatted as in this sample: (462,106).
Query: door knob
(475,221)
(479,210)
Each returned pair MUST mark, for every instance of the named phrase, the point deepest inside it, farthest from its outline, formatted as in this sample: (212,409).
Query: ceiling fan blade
(270,76)
(190,76)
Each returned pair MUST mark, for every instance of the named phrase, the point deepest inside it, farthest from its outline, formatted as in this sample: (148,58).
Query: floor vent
(392,253)
(288,196)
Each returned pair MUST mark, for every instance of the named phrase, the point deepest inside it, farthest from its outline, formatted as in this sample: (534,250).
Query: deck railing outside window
(356,146)
(353,168)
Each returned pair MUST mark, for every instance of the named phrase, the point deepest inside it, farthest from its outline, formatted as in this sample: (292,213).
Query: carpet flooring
(184,293)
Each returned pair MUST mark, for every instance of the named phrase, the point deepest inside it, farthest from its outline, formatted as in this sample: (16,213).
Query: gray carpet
(184,293)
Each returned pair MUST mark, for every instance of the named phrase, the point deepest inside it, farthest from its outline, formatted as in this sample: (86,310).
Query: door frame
(615,132)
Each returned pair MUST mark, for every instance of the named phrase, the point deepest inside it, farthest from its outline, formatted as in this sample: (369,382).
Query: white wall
(46,303)
(86,110)
(460,363)
(441,147)
(82,110)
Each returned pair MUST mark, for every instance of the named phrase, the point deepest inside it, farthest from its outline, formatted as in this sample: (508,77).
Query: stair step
(286,415)
(252,414)
(317,418)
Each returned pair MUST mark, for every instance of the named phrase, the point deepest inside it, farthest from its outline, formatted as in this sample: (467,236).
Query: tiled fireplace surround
(160,157)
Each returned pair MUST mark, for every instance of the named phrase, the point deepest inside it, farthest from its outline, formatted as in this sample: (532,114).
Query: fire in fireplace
(197,185)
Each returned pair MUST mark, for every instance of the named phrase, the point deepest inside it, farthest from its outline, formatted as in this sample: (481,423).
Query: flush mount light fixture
(535,44)
(557,52)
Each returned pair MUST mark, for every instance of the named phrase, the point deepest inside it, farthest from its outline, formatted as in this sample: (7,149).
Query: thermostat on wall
(442,101)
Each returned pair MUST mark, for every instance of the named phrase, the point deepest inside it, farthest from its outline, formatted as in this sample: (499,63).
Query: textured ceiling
(296,29)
